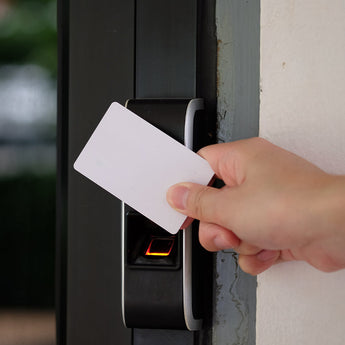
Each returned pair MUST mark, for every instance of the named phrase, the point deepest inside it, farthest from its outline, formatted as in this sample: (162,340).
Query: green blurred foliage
(27,242)
(27,201)
(28,34)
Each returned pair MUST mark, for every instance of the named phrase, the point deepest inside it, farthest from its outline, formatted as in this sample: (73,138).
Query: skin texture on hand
(275,206)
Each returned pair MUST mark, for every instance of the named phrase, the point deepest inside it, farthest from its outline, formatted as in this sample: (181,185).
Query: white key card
(137,163)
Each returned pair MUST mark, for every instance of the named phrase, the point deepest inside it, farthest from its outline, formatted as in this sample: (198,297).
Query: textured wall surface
(238,34)
(303,110)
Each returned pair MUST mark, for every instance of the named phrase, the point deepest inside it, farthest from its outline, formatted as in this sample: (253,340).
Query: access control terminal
(162,274)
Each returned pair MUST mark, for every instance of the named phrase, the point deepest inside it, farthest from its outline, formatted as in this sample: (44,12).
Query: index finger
(230,160)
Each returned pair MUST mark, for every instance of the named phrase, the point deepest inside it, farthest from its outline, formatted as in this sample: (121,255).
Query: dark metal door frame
(102,58)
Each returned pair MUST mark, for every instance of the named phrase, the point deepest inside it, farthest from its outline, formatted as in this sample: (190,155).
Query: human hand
(275,206)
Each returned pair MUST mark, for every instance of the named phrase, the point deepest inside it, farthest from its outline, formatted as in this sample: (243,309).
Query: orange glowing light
(160,246)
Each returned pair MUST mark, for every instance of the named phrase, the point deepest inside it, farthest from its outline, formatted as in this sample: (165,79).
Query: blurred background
(28,71)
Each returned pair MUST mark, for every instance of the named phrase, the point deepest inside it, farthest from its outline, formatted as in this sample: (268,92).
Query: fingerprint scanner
(160,246)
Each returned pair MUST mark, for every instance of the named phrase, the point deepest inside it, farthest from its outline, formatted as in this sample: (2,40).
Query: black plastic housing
(153,290)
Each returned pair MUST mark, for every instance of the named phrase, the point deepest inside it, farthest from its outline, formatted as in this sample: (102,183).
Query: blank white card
(137,163)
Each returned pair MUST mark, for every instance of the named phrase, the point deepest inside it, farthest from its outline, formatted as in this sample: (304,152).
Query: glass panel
(28,68)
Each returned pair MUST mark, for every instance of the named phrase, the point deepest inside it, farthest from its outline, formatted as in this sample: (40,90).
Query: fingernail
(266,255)
(177,197)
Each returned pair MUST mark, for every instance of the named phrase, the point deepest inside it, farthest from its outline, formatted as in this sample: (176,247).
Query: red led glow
(160,246)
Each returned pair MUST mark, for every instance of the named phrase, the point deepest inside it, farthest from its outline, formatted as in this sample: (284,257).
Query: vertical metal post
(176,58)
(102,58)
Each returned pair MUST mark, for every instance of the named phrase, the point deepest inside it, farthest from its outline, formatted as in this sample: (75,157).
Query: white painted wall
(303,109)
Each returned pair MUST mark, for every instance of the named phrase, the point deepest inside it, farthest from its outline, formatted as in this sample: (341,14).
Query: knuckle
(199,202)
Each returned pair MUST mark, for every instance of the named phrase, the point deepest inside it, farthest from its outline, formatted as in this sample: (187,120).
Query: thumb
(200,202)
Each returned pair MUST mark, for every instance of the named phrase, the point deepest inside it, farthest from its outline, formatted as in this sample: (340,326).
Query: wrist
(327,247)
(331,206)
